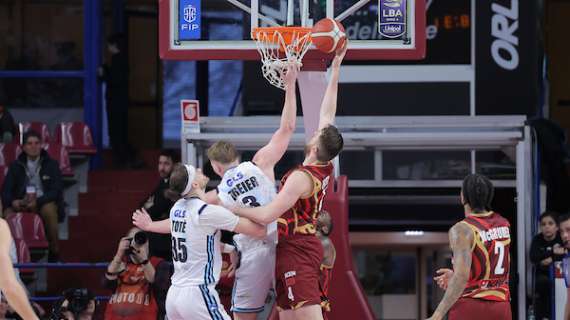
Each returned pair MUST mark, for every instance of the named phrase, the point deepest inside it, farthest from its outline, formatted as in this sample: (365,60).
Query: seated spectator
(158,206)
(8,129)
(546,247)
(34,184)
(131,274)
(75,304)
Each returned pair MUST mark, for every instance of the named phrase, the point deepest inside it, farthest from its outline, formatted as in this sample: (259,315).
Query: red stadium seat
(8,153)
(60,154)
(24,256)
(76,137)
(39,127)
(28,227)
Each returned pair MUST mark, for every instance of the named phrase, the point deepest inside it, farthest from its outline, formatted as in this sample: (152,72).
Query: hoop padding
(280,47)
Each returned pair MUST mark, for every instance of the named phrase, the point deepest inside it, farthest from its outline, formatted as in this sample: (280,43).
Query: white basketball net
(275,59)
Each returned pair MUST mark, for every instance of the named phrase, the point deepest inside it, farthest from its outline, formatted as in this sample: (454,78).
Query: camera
(75,301)
(140,238)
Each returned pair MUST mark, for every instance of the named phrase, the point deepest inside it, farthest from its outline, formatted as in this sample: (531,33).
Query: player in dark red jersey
(324,229)
(296,209)
(478,285)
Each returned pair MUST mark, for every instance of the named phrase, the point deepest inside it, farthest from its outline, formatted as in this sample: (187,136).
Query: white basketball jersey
(247,185)
(195,229)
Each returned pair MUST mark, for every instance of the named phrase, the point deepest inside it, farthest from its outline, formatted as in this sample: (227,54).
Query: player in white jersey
(9,285)
(196,248)
(253,184)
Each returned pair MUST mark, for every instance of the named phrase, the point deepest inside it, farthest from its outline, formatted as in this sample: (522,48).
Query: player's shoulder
(501,219)
(461,228)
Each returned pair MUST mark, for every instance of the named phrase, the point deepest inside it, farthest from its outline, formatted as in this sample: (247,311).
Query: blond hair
(223,152)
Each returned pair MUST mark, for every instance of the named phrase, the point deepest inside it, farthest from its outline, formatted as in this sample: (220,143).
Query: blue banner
(189,19)
(392,18)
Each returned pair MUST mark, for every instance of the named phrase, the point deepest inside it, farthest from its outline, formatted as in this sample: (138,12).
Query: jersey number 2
(250,201)
(500,250)
(179,251)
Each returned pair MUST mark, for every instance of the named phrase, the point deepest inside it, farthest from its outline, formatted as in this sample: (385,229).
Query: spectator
(546,247)
(158,206)
(7,125)
(75,304)
(34,184)
(131,274)
(116,75)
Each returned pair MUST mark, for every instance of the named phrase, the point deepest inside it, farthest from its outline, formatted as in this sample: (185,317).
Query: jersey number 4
(179,251)
(250,201)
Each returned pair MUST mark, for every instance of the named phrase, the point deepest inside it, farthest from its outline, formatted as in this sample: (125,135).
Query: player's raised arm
(12,289)
(461,241)
(221,218)
(328,107)
(271,153)
(142,220)
(298,184)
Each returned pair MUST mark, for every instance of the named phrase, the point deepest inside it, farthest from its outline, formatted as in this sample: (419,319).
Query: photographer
(131,274)
(75,304)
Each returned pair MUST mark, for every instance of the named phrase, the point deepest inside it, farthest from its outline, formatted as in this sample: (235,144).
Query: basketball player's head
(32,144)
(477,193)
(548,224)
(166,161)
(325,144)
(564,222)
(324,223)
(222,155)
(186,180)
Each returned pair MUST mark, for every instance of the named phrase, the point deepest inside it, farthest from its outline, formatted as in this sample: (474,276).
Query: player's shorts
(194,302)
(475,309)
(254,278)
(297,271)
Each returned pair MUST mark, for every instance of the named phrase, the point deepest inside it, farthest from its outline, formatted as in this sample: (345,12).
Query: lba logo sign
(190,110)
(189,19)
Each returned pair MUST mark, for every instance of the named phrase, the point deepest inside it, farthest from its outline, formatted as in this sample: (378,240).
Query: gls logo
(504,47)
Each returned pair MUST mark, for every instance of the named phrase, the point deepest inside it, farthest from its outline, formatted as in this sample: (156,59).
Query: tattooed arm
(461,241)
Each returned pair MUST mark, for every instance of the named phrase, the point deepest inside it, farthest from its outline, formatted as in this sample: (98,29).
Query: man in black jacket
(116,76)
(34,184)
(158,206)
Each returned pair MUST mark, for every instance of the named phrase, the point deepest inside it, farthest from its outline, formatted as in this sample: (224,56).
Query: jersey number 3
(179,251)
(250,201)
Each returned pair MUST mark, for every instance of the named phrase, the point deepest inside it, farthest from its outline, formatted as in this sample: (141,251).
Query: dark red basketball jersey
(301,219)
(324,281)
(489,275)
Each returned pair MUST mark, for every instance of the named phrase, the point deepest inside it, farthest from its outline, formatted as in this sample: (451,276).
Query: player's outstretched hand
(339,56)
(444,275)
(141,219)
(291,75)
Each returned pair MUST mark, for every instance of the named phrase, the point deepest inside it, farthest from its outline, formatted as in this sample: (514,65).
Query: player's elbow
(462,276)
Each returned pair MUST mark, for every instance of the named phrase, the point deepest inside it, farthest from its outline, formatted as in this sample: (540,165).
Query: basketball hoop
(279,48)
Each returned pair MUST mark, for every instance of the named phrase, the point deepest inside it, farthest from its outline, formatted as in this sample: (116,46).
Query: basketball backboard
(221,29)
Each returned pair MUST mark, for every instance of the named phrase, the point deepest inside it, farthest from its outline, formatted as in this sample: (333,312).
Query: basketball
(328,35)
